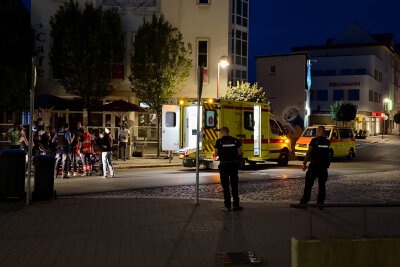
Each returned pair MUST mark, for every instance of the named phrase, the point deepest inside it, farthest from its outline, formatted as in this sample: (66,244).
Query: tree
(85,45)
(341,111)
(396,119)
(15,55)
(244,91)
(159,64)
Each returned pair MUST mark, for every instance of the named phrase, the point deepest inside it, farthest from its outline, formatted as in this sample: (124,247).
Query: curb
(146,166)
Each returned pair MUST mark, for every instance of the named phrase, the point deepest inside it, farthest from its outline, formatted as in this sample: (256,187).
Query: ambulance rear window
(170,119)
(211,121)
(249,120)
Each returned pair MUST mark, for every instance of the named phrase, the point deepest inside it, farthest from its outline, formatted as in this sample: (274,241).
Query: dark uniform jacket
(320,152)
(228,149)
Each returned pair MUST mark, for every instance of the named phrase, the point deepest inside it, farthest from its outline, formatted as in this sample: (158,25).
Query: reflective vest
(87,143)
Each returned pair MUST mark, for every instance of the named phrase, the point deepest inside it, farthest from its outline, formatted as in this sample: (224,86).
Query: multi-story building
(359,68)
(284,79)
(213,28)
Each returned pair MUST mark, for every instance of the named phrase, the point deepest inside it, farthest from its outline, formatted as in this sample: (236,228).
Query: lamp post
(222,62)
(386,100)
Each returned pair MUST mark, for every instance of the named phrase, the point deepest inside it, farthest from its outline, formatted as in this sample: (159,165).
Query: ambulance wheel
(351,154)
(330,155)
(283,158)
(252,163)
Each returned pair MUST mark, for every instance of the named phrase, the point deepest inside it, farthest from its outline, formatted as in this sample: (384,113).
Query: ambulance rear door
(257,131)
(190,130)
(170,127)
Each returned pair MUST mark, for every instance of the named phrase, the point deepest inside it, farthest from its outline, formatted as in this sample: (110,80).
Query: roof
(283,55)
(354,36)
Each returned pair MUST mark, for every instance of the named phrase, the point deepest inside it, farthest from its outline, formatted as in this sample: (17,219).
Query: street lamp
(222,62)
(386,100)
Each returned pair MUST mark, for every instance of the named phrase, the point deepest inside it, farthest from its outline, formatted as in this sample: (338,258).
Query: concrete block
(367,252)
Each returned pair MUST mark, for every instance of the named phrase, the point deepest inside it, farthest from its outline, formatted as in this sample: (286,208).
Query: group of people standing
(74,146)
(74,149)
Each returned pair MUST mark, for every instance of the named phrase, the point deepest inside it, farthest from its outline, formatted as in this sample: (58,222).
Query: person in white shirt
(124,136)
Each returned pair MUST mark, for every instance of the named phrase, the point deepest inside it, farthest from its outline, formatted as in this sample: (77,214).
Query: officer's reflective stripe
(323,146)
(228,145)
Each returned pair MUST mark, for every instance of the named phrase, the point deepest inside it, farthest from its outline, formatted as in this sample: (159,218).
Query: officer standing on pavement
(63,140)
(318,154)
(228,149)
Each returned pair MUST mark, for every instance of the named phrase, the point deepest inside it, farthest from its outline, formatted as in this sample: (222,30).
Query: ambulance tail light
(214,156)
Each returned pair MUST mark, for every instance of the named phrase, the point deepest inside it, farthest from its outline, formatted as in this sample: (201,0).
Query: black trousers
(313,173)
(229,175)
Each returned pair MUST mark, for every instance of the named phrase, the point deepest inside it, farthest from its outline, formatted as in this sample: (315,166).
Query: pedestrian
(318,155)
(228,150)
(15,136)
(124,136)
(45,148)
(87,151)
(106,155)
(63,139)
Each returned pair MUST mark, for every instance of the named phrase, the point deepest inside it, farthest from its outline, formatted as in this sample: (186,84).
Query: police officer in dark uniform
(228,150)
(318,154)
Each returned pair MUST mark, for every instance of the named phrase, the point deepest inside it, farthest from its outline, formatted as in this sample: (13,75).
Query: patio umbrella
(122,106)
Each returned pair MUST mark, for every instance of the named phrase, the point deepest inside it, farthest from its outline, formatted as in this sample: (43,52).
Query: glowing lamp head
(382,115)
(223,62)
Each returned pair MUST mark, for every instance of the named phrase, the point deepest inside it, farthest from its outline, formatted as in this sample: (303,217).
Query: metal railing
(364,207)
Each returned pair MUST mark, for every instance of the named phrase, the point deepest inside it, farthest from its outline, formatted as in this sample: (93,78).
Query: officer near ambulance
(228,149)
(318,154)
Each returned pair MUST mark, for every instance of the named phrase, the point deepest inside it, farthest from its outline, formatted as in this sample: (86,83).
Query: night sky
(277,26)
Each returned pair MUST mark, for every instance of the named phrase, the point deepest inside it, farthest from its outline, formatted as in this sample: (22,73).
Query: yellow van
(343,142)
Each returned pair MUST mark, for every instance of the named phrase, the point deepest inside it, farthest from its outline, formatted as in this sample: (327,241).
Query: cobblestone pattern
(378,187)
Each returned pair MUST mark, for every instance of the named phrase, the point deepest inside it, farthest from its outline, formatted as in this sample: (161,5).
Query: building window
(380,77)
(202,53)
(354,95)
(360,71)
(203,2)
(317,73)
(371,96)
(330,72)
(376,75)
(272,70)
(338,95)
(322,95)
(240,10)
(346,71)
(376,98)
(244,75)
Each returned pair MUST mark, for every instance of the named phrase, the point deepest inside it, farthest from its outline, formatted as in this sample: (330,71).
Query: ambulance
(343,142)
(253,124)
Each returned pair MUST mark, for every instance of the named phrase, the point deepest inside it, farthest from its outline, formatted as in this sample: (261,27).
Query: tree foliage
(85,45)
(159,62)
(245,91)
(341,111)
(15,55)
(396,117)
(13,90)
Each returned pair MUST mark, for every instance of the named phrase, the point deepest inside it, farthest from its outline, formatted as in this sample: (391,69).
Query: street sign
(172,101)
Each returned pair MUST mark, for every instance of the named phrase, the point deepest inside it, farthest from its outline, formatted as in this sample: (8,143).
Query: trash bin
(12,174)
(44,177)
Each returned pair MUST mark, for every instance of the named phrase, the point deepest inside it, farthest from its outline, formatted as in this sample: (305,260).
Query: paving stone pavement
(379,187)
(167,232)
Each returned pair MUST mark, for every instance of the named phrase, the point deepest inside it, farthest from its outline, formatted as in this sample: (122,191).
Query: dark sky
(277,26)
